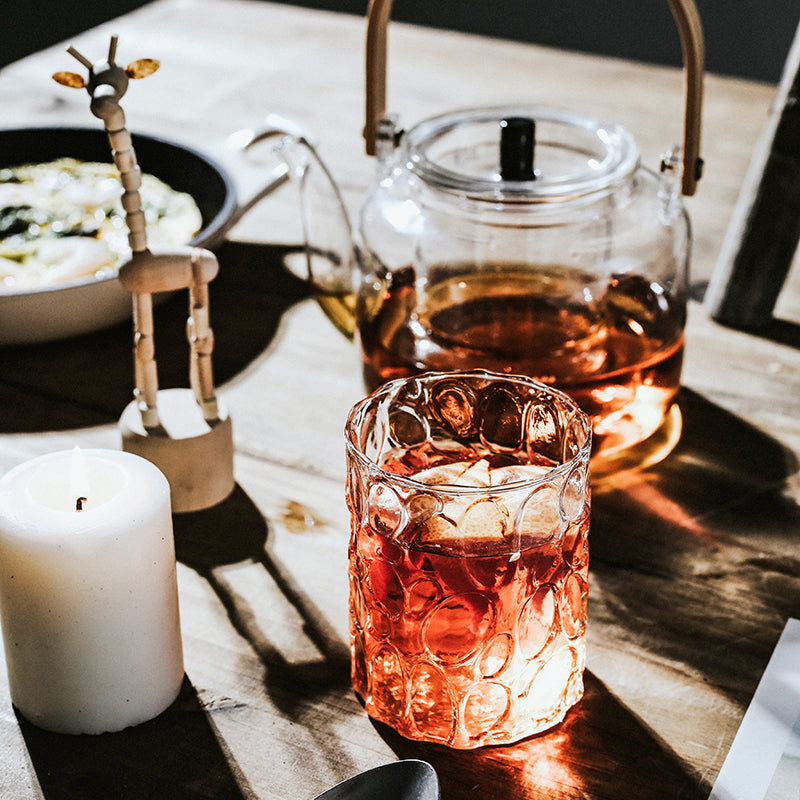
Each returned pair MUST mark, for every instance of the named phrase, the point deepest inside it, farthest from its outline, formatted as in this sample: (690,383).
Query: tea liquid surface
(616,348)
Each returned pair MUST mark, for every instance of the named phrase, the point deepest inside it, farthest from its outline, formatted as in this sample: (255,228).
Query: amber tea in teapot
(620,359)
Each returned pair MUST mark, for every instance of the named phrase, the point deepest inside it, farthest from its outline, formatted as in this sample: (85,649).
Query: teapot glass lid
(520,154)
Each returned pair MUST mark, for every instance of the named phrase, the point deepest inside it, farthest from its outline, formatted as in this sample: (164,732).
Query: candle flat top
(74,491)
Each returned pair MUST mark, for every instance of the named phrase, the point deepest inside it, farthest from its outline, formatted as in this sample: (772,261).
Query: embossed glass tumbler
(469,499)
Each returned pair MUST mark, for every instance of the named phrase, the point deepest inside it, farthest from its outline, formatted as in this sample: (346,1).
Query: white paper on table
(764,760)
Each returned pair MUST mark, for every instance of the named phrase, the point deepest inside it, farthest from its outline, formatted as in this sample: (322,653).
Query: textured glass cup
(469,499)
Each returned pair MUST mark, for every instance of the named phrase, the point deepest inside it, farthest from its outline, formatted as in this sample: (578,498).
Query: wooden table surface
(695,563)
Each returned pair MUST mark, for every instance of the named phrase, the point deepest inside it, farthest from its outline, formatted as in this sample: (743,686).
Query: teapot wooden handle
(691,33)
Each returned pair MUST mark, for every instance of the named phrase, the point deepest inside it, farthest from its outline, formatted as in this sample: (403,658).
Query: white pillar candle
(88,591)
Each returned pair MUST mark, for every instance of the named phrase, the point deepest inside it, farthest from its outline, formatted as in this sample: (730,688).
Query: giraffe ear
(70,79)
(142,68)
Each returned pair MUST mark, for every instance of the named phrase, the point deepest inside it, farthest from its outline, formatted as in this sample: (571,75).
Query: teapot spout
(329,246)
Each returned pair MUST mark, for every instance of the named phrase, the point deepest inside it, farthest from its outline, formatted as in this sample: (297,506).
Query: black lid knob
(517,141)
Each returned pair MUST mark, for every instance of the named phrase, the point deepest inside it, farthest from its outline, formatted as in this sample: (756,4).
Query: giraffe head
(106,73)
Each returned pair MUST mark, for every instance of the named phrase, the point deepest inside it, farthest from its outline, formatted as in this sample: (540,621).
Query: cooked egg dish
(63,220)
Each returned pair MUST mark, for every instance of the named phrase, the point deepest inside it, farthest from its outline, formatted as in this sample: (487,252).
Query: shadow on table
(775,329)
(235,533)
(88,380)
(697,559)
(600,750)
(175,755)
(780,331)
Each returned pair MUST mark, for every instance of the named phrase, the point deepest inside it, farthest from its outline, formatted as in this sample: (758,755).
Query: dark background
(745,38)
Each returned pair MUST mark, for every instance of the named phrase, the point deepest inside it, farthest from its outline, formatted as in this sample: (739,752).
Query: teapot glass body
(527,241)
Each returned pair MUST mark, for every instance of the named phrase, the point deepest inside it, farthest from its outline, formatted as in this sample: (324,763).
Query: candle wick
(79,503)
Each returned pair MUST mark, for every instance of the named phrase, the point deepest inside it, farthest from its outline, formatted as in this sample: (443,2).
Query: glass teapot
(523,240)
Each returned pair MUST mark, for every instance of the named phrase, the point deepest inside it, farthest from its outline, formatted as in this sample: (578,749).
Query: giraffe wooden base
(197,458)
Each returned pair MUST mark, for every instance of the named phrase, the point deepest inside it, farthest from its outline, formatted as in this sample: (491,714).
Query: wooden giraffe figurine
(196,454)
